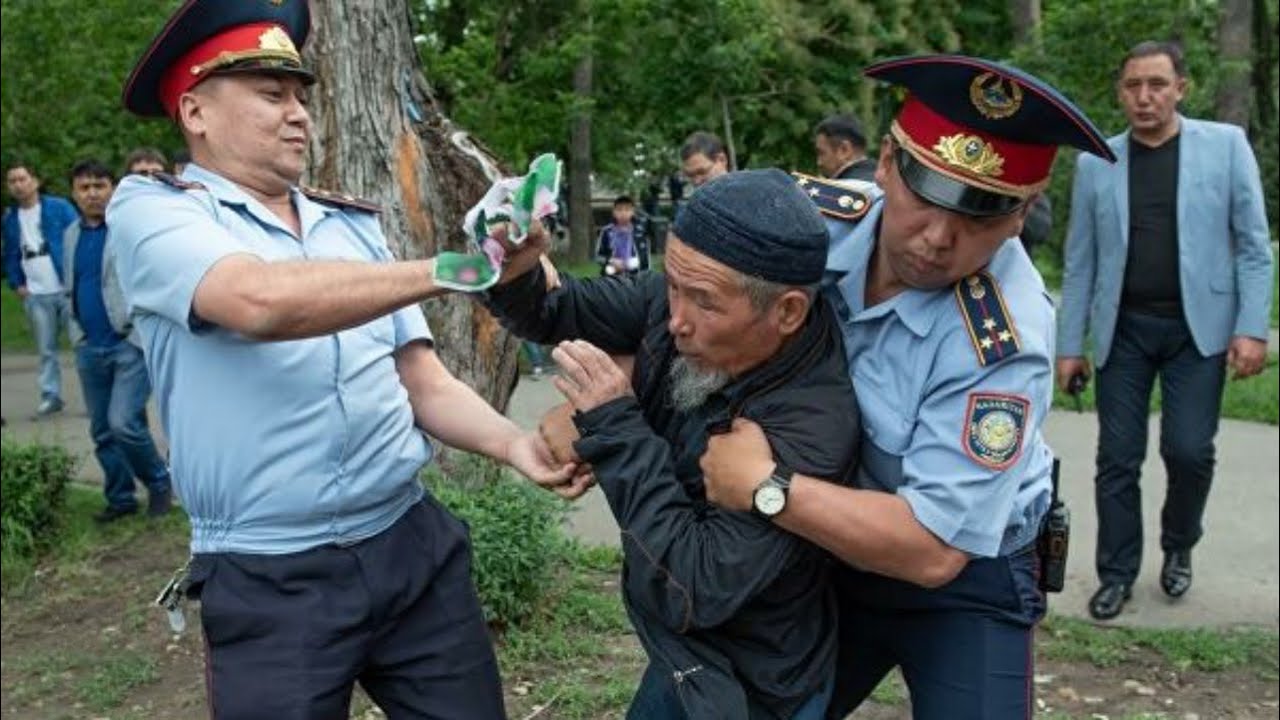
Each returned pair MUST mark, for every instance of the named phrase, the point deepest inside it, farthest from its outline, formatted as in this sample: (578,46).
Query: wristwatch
(770,497)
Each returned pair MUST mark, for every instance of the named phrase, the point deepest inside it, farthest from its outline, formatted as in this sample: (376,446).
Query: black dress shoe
(112,514)
(1175,576)
(1109,600)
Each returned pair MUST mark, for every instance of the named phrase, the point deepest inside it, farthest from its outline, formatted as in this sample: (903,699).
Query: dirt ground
(83,641)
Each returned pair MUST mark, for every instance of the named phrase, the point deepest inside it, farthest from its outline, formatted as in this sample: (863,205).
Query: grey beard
(691,386)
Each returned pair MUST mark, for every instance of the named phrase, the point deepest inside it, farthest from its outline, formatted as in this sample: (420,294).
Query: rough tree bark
(379,134)
(1025,16)
(1235,56)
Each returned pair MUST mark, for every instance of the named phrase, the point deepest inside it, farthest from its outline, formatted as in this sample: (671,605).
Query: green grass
(81,540)
(1256,399)
(892,690)
(101,682)
(578,652)
(1204,650)
(15,336)
(590,268)
(1275,291)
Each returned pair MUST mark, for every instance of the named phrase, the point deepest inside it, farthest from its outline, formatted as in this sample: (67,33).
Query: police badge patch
(994,426)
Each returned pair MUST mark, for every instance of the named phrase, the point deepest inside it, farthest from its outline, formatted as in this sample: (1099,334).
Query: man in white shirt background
(33,226)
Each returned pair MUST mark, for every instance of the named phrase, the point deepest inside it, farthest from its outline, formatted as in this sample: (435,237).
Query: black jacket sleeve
(691,565)
(610,313)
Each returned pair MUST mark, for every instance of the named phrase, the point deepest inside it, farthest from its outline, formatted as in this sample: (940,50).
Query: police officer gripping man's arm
(296,378)
(949,335)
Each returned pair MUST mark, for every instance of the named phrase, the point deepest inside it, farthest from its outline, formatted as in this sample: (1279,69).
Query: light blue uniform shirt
(275,447)
(937,422)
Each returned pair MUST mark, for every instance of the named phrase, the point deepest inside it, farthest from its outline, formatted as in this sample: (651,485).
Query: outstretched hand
(588,377)
(528,454)
(531,455)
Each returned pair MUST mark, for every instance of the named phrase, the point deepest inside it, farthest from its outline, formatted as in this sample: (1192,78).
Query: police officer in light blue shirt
(949,337)
(296,378)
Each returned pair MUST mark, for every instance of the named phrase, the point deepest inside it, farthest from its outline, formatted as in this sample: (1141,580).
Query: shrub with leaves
(33,488)
(516,538)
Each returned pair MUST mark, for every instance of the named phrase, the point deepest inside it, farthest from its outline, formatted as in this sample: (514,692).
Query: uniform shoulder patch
(994,426)
(986,318)
(834,198)
(341,200)
(174,181)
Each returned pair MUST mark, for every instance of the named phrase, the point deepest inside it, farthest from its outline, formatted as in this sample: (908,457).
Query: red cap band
(972,156)
(255,41)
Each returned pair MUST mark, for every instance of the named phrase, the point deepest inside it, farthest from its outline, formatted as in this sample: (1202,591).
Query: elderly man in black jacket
(734,613)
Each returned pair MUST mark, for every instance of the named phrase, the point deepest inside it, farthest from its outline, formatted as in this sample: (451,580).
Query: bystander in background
(33,226)
(113,372)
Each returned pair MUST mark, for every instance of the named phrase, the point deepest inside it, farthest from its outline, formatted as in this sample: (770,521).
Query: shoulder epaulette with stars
(341,200)
(834,198)
(174,181)
(986,318)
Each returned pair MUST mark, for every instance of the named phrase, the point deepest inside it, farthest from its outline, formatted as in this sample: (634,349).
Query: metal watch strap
(780,478)
(781,475)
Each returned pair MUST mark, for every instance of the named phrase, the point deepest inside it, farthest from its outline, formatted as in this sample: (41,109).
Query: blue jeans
(656,699)
(48,316)
(116,387)
(1191,394)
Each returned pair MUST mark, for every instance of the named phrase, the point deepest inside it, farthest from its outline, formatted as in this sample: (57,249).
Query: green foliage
(516,540)
(62,68)
(578,644)
(666,68)
(15,336)
(1200,649)
(33,491)
(1101,31)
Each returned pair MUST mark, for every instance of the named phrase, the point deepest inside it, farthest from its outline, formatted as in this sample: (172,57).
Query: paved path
(1237,564)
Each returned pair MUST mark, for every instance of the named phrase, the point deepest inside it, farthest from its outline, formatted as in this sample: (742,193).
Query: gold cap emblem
(995,97)
(971,153)
(277,39)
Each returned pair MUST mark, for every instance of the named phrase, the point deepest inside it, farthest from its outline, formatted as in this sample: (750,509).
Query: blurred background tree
(761,73)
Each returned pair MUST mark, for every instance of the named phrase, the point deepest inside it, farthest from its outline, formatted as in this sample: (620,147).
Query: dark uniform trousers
(965,649)
(1191,393)
(287,636)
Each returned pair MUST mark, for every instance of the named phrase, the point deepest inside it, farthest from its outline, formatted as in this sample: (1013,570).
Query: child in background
(616,247)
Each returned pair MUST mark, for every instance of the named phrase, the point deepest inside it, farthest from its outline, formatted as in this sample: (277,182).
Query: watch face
(770,500)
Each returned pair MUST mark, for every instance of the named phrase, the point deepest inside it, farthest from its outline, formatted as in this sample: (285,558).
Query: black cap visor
(950,193)
(267,66)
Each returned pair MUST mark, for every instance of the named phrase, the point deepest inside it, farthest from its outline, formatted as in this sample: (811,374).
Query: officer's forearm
(871,530)
(298,299)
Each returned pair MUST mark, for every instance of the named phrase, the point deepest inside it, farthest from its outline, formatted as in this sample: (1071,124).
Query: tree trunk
(1264,68)
(580,224)
(379,134)
(727,121)
(1235,52)
(1025,16)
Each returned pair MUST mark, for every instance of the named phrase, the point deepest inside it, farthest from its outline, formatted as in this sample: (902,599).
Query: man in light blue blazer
(1168,262)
